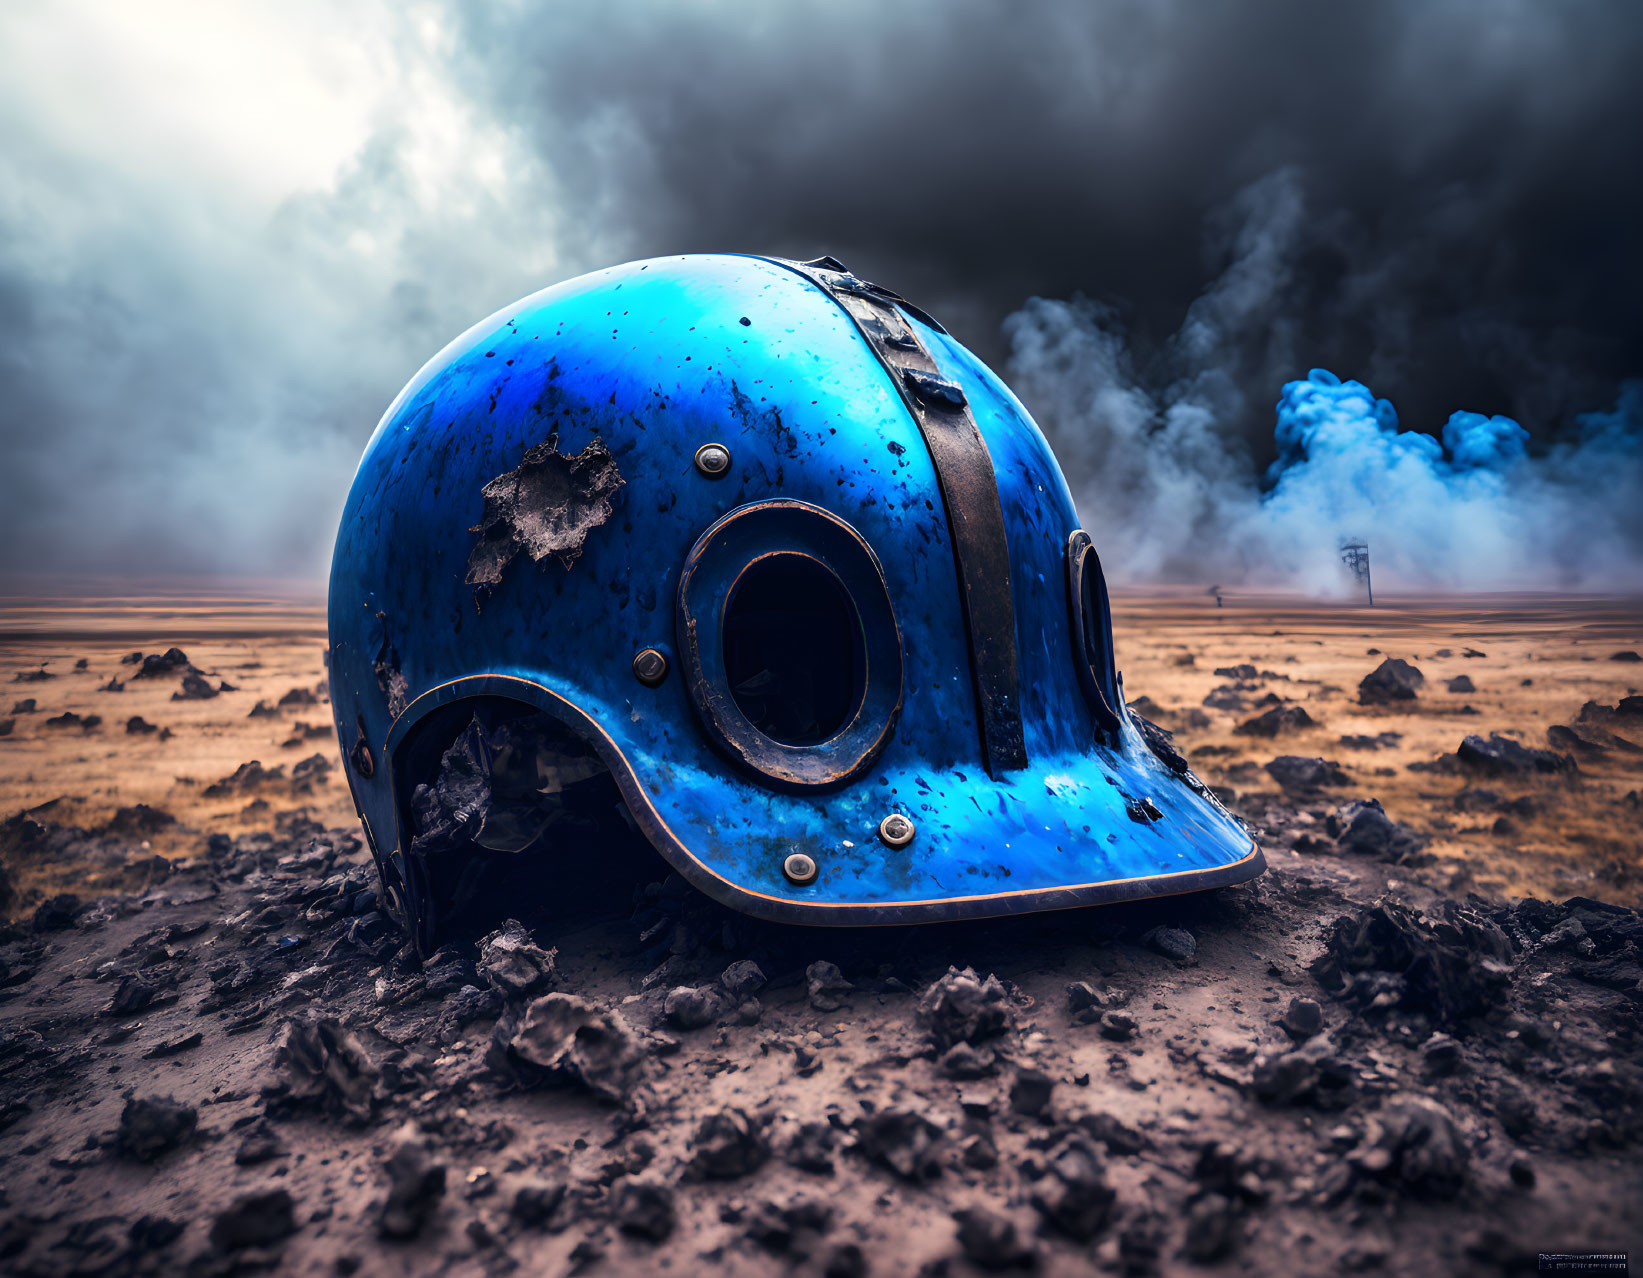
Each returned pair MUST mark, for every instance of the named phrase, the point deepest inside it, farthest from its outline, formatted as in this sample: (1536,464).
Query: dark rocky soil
(1334,1069)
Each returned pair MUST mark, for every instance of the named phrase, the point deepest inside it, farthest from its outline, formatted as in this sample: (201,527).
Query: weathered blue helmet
(758,546)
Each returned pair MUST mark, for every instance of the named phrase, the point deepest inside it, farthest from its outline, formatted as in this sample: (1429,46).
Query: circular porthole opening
(1091,616)
(788,643)
(793,649)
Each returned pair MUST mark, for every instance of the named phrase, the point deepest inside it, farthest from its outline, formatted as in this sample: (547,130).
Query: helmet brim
(1116,823)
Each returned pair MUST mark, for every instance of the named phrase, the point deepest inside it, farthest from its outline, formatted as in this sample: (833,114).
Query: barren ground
(1471,1096)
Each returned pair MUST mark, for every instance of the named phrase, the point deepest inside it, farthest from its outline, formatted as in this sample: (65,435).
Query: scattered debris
(1389,957)
(1362,826)
(962,1007)
(514,965)
(903,1142)
(827,987)
(326,1065)
(1073,1194)
(561,1038)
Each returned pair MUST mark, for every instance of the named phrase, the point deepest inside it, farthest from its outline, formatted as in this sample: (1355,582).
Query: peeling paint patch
(545,507)
(393,685)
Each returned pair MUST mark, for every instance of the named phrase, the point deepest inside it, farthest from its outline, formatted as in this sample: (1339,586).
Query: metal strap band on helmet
(969,490)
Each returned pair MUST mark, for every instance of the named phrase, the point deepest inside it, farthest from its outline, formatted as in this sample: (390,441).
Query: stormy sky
(229,233)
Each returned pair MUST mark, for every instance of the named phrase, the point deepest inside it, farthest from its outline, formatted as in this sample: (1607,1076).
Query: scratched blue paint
(654,359)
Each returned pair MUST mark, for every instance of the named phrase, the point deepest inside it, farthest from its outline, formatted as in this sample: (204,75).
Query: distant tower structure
(1355,555)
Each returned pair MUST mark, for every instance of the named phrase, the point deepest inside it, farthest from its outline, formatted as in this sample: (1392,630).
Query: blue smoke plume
(1169,494)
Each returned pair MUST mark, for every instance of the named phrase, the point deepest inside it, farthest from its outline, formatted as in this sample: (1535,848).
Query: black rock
(901,1141)
(990,1241)
(259,1146)
(643,1208)
(134,994)
(1627,655)
(1309,1075)
(152,1125)
(514,965)
(810,1148)
(968,1060)
(727,1144)
(742,980)
(1461,683)
(1362,826)
(1441,1055)
(826,986)
(325,1064)
(153,1233)
(415,1187)
(1449,969)
(1392,680)
(195,688)
(1302,775)
(1211,1229)
(1073,1195)
(847,1260)
(1303,1019)
(534,1205)
(139,726)
(962,1007)
(1030,1091)
(1277,721)
(564,1039)
(775,1227)
(694,1007)
(254,1220)
(57,913)
(1429,1155)
(1501,756)
(1172,942)
(158,665)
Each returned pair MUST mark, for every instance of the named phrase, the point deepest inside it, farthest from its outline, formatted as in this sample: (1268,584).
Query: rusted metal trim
(969,491)
(812,913)
(1090,612)
(720,557)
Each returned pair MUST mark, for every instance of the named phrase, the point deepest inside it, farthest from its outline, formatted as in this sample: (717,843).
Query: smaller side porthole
(1091,617)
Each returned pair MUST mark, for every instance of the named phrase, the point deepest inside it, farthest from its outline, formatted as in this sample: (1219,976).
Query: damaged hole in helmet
(510,814)
(793,650)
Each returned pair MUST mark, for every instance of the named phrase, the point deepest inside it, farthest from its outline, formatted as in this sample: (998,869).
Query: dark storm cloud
(1437,198)
(1469,175)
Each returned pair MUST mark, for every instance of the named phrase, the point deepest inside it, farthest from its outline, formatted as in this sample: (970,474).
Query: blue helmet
(758,547)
